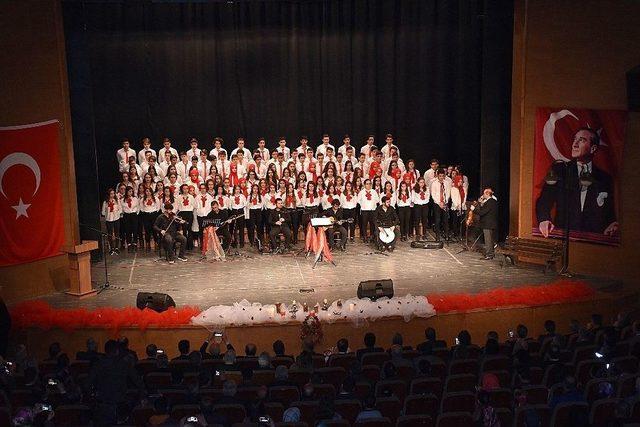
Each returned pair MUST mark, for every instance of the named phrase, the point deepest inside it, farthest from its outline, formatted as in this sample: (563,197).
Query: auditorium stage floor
(272,278)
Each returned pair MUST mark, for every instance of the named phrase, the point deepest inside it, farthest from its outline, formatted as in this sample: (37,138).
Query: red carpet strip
(529,295)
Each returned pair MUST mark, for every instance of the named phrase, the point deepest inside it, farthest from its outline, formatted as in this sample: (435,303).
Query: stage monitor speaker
(374,289)
(427,244)
(633,89)
(156,301)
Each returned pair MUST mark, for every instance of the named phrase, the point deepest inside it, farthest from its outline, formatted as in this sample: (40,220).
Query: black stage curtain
(434,73)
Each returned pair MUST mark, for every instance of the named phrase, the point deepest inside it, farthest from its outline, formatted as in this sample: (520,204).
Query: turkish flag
(31,219)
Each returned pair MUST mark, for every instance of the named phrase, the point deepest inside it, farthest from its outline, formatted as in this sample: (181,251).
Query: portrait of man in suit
(589,201)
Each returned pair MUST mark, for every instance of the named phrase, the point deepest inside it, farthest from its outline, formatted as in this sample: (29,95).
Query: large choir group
(249,185)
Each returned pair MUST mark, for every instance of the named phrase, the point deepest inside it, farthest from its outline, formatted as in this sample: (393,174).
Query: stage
(269,278)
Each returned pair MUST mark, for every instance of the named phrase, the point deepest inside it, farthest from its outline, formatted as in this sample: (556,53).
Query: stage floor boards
(272,278)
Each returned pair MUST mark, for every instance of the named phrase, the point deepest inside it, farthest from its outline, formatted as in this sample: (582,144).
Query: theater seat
(415,421)
(423,404)
(458,402)
(375,422)
(602,412)
(454,419)
(72,415)
(562,412)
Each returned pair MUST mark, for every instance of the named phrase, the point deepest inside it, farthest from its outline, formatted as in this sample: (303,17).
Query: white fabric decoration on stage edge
(354,309)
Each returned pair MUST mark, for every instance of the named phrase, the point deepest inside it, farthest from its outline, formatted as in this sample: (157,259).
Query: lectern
(80,268)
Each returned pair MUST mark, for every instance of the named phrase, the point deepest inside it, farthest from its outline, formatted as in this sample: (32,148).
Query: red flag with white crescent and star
(31,216)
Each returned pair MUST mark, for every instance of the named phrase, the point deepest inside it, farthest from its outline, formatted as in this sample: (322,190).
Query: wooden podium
(80,268)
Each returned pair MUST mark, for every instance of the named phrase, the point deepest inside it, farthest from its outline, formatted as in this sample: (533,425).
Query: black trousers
(130,227)
(186,227)
(147,219)
(441,220)
(368,219)
(254,225)
(226,236)
(237,227)
(296,218)
(350,214)
(343,235)
(488,241)
(168,242)
(200,233)
(404,213)
(277,229)
(421,216)
(113,230)
(308,213)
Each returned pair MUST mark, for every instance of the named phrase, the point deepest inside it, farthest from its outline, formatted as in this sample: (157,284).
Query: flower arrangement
(311,328)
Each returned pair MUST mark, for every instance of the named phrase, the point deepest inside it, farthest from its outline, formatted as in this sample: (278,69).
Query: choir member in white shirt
(223,165)
(420,198)
(388,144)
(280,165)
(202,207)
(348,174)
(311,204)
(146,147)
(217,147)
(194,150)
(440,191)
(350,156)
(393,157)
(167,196)
(328,197)
(368,200)
(254,223)
(393,175)
(149,210)
(388,190)
(403,202)
(260,166)
(411,174)
(123,155)
(282,148)
(237,202)
(111,211)
(346,143)
(322,148)
(185,204)
(349,203)
(130,209)
(183,166)
(172,184)
(240,147)
(204,165)
(458,201)
(366,148)
(262,151)
(430,174)
(166,147)
(304,146)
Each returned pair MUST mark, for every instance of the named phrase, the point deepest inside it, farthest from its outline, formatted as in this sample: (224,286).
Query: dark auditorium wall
(33,88)
(436,74)
(575,54)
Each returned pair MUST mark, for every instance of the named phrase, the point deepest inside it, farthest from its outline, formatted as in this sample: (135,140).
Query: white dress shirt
(368,204)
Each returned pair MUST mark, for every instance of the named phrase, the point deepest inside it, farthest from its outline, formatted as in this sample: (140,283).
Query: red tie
(172,188)
(348,197)
(220,201)
(111,205)
(237,198)
(368,195)
(273,200)
(404,197)
(129,203)
(185,201)
(204,200)
(311,198)
(442,193)
(149,202)
(330,199)
(299,194)
(422,195)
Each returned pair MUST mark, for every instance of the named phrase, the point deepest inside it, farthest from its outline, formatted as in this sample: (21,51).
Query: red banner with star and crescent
(574,147)
(31,216)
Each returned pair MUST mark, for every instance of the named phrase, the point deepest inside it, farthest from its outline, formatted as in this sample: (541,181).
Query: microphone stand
(104,240)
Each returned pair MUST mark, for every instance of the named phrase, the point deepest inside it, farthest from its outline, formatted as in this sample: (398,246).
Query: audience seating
(602,412)
(454,419)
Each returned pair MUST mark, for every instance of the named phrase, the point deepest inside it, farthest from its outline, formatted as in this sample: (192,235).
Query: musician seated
(167,225)
(280,221)
(337,214)
(216,218)
(387,222)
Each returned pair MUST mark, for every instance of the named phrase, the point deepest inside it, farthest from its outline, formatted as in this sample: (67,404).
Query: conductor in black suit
(591,206)
(280,221)
(487,210)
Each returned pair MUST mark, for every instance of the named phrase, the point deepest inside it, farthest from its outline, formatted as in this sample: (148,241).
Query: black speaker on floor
(427,244)
(156,301)
(633,89)
(374,289)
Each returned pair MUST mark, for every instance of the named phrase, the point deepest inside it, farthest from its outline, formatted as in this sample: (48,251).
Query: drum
(387,235)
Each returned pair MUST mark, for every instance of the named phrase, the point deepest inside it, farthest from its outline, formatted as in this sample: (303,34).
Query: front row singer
(387,221)
(167,226)
(280,221)
(487,209)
